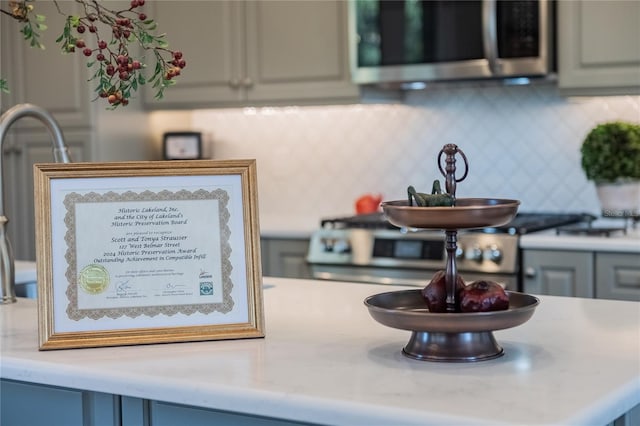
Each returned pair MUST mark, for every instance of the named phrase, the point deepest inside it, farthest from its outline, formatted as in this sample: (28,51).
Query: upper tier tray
(467,213)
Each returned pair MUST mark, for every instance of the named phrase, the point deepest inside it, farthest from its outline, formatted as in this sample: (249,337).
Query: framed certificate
(147,252)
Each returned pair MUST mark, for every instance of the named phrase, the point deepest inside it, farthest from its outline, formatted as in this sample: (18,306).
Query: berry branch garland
(118,73)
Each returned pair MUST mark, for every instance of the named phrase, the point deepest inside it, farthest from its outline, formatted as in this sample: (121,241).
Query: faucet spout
(60,155)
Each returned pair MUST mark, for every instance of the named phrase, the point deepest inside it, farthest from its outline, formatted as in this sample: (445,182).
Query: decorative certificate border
(73,272)
(147,252)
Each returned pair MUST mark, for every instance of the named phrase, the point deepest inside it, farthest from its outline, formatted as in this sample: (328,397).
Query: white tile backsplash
(522,142)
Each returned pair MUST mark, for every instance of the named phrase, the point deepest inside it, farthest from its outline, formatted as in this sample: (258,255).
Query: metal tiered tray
(449,336)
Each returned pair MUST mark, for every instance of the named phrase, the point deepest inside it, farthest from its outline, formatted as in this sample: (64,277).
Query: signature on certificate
(123,287)
(171,286)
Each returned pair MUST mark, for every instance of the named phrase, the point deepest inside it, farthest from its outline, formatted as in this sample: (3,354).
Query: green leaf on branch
(146,38)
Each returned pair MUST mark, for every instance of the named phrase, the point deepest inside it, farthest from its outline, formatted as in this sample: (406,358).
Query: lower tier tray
(452,337)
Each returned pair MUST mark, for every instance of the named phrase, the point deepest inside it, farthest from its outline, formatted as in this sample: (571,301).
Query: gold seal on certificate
(94,279)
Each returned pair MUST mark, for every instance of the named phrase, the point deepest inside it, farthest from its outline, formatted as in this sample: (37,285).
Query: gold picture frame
(147,252)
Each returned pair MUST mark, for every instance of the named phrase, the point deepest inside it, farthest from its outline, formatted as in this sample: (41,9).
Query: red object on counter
(368,204)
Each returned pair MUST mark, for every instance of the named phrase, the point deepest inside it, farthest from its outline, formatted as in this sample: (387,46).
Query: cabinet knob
(234,83)
(247,82)
(530,272)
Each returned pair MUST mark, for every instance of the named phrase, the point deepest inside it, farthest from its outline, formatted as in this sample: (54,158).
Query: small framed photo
(147,252)
(182,146)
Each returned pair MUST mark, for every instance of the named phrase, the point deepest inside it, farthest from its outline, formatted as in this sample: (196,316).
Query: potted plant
(611,159)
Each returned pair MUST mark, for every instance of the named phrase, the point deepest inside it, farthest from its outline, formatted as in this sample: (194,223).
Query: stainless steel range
(367,248)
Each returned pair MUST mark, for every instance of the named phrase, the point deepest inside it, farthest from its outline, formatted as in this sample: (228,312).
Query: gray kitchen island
(324,360)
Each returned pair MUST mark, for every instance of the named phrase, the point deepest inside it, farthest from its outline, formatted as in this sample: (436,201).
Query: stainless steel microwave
(428,40)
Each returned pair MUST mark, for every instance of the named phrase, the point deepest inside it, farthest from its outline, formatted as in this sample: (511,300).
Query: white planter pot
(619,199)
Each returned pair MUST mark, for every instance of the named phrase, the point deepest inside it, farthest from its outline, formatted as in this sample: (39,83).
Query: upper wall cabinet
(256,53)
(599,47)
(47,78)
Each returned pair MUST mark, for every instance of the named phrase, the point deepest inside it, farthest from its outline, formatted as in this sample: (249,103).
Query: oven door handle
(369,279)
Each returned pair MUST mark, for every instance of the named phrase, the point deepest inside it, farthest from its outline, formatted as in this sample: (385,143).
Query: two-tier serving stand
(450,336)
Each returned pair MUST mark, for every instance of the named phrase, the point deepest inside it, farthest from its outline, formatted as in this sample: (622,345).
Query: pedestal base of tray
(452,347)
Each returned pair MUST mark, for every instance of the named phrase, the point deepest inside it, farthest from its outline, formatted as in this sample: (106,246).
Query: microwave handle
(490,34)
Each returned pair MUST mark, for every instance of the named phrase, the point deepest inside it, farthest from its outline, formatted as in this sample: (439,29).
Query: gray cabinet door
(618,276)
(54,81)
(256,53)
(558,273)
(599,47)
(210,35)
(297,51)
(25,404)
(285,258)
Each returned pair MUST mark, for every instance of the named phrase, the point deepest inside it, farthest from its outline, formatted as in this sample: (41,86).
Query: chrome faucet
(60,155)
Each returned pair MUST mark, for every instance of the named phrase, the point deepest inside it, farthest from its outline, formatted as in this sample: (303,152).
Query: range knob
(327,244)
(341,246)
(493,253)
(474,253)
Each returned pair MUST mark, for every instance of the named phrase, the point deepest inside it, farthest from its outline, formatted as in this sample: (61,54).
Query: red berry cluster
(118,73)
(178,63)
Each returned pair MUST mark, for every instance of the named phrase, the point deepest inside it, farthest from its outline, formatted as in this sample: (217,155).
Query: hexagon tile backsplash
(522,142)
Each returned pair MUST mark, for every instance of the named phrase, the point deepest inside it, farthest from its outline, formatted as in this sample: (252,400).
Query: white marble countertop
(325,360)
(618,242)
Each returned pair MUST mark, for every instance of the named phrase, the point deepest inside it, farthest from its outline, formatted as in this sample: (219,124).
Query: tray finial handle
(451,272)
(449,172)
